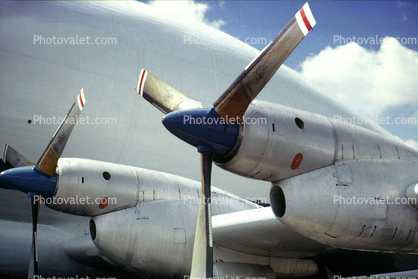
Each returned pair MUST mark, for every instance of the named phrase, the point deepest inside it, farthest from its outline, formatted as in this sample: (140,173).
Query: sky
(363,52)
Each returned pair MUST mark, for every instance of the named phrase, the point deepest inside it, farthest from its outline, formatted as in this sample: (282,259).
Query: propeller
(14,159)
(214,131)
(163,96)
(33,263)
(40,180)
(235,100)
(202,259)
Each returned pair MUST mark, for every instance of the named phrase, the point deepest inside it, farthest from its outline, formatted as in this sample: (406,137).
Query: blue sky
(346,18)
(379,79)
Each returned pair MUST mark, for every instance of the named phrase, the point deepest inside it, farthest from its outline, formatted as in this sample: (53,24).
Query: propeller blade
(235,100)
(202,260)
(48,162)
(163,96)
(217,128)
(14,159)
(33,263)
(41,179)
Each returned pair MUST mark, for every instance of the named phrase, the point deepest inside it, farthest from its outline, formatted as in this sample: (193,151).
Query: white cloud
(405,4)
(412,143)
(217,23)
(188,9)
(370,80)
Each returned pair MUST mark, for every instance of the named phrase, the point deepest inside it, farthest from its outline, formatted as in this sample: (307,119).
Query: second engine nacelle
(278,142)
(88,187)
(153,239)
(357,205)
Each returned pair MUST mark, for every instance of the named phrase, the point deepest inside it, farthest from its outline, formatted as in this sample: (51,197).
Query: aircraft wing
(257,231)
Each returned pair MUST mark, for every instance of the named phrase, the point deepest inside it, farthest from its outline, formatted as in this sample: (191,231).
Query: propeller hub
(203,128)
(30,179)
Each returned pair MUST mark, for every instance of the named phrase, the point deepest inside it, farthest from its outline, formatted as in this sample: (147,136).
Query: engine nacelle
(154,239)
(278,142)
(352,205)
(87,187)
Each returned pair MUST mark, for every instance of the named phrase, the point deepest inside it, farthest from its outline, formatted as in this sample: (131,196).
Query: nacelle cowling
(278,142)
(88,187)
(155,239)
(152,239)
(352,205)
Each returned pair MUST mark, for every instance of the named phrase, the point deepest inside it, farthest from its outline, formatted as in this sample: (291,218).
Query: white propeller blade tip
(141,82)
(305,19)
(81,101)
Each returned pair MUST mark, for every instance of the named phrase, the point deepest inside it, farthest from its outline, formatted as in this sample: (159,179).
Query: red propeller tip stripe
(142,77)
(305,20)
(81,100)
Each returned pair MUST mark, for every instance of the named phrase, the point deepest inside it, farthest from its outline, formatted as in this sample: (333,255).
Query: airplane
(150,231)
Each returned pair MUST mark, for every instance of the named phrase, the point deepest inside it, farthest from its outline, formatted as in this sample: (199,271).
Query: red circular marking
(296,161)
(103,203)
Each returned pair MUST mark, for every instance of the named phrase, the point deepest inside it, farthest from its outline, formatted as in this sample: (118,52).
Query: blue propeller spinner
(204,129)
